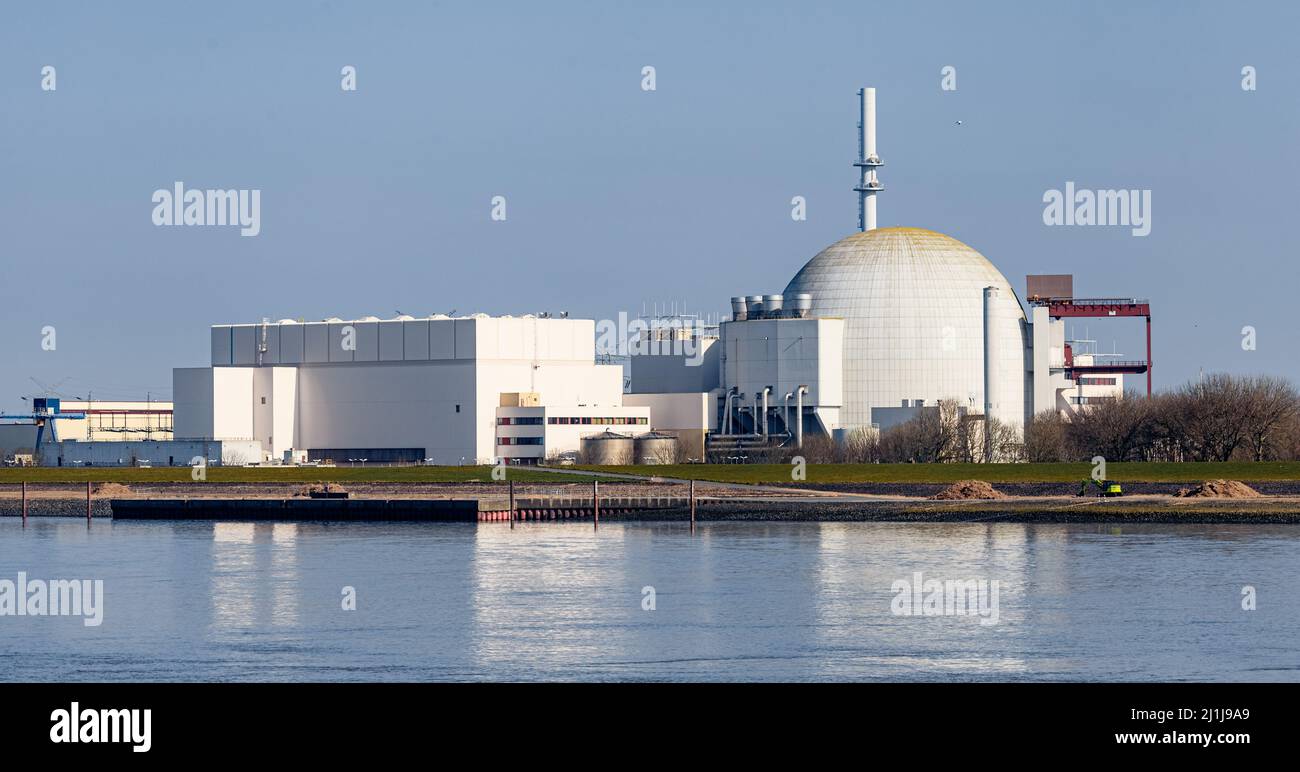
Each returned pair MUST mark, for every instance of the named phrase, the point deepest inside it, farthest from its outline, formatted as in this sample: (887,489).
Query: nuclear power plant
(875,329)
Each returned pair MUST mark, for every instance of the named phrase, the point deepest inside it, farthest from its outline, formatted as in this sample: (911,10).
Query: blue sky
(378,200)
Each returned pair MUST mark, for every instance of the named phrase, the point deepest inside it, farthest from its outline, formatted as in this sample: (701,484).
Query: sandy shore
(875,503)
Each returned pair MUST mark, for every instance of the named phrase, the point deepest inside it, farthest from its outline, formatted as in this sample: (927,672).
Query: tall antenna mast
(868,161)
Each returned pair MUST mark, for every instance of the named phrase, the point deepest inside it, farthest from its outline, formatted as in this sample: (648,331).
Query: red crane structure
(1100,308)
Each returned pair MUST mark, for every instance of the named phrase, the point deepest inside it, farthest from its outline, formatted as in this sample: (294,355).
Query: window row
(587,420)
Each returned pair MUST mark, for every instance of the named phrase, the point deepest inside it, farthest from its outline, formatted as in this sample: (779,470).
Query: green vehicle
(1107,488)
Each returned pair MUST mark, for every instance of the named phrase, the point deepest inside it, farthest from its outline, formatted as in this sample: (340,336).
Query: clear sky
(378,200)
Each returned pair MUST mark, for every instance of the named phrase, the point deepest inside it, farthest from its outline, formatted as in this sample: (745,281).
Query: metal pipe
(1148,356)
(726,412)
(766,389)
(785,412)
(992,360)
(798,417)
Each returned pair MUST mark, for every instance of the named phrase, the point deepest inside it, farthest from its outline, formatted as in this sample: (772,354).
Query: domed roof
(910,262)
(912,301)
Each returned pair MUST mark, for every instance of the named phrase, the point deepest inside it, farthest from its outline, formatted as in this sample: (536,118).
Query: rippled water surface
(737,601)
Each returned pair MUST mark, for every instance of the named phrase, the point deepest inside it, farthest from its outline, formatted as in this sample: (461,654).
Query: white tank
(655,448)
(608,449)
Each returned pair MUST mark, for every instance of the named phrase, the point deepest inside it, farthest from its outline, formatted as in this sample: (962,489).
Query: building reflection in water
(857,567)
(254,575)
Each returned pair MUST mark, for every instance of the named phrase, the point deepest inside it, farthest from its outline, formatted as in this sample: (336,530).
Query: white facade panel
(292,344)
(221,346)
(443,336)
(232,403)
(367,342)
(317,337)
(391,341)
(415,343)
(244,341)
(464,346)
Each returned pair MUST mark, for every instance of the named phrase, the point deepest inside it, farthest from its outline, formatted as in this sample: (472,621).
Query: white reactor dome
(912,301)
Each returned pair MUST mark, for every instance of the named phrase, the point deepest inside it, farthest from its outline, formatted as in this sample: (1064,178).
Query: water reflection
(254,579)
(735,601)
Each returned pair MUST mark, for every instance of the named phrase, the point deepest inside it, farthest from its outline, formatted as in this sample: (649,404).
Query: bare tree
(1270,403)
(1046,438)
(1114,429)
(930,437)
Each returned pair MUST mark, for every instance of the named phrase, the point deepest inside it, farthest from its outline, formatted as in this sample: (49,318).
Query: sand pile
(111,489)
(1220,489)
(969,489)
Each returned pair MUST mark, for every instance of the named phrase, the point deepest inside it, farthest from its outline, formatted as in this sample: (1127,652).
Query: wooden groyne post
(512,504)
(88,516)
(692,498)
(595,501)
(24,504)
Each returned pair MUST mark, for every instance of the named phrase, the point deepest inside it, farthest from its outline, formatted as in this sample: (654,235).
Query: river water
(186,601)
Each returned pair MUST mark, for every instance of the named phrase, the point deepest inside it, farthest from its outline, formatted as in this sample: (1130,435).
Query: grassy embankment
(947,473)
(777,474)
(272,474)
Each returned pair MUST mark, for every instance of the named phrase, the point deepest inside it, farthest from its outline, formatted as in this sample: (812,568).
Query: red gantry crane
(1100,308)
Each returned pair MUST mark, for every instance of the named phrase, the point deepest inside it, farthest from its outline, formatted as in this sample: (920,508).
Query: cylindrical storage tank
(608,449)
(772,305)
(802,304)
(755,306)
(739,309)
(656,448)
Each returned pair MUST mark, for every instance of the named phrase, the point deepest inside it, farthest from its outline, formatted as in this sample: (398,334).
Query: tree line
(1219,417)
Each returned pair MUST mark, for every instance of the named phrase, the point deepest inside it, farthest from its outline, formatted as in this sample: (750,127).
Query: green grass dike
(781,474)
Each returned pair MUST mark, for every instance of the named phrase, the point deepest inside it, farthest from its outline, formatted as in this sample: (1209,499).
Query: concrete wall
(396,340)
(192,402)
(426,405)
(665,373)
(19,438)
(157,453)
(785,354)
(686,416)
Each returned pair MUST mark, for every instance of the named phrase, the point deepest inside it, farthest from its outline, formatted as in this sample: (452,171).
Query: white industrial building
(404,390)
